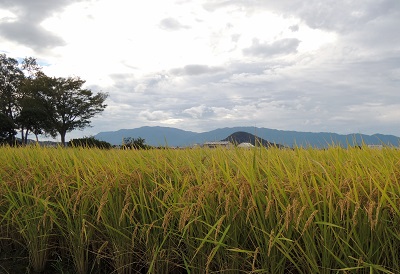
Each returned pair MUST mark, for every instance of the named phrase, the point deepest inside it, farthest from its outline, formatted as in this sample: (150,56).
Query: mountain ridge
(161,136)
(239,137)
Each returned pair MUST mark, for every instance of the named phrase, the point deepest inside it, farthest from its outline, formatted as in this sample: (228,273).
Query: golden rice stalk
(309,221)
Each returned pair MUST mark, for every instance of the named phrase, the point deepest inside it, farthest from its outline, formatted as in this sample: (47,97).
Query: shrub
(89,142)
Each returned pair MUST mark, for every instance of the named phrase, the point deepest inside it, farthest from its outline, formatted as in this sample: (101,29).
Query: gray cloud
(294,28)
(359,95)
(337,15)
(33,36)
(353,14)
(344,98)
(195,69)
(26,29)
(171,24)
(283,46)
(319,98)
(35,10)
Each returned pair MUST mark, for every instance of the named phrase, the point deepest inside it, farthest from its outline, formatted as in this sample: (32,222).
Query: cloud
(283,46)
(26,29)
(290,64)
(171,24)
(198,112)
(282,95)
(195,69)
(156,115)
(35,10)
(294,28)
(33,36)
(353,14)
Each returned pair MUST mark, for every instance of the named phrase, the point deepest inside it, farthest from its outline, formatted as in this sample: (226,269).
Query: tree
(34,115)
(7,131)
(33,102)
(133,143)
(89,142)
(69,105)
(34,118)
(10,79)
(18,102)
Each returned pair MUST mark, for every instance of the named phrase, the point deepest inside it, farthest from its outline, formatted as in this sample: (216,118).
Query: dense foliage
(89,142)
(200,211)
(32,102)
(134,143)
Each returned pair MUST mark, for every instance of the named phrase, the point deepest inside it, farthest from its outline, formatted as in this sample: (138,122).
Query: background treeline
(32,102)
(128,143)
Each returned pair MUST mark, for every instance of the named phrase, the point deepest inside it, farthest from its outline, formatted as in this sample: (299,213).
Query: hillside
(245,137)
(157,136)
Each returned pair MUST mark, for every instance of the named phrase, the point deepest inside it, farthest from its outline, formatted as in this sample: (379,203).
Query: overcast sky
(304,65)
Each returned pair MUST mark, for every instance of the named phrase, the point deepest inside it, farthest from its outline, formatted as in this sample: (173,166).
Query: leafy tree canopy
(132,143)
(33,102)
(7,131)
(71,106)
(10,79)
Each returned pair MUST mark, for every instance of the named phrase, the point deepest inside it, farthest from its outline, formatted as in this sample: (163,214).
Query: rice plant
(236,210)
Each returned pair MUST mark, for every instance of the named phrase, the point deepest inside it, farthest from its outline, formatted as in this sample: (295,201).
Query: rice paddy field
(304,210)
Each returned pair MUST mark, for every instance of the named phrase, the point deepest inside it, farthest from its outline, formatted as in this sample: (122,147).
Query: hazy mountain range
(161,136)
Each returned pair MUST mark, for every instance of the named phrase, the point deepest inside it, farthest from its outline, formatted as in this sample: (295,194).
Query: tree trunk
(26,137)
(22,136)
(62,134)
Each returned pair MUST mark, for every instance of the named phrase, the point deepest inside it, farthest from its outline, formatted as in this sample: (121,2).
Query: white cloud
(198,111)
(155,115)
(7,16)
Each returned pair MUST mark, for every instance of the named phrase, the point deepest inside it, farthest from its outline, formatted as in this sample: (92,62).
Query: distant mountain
(245,137)
(160,136)
(154,136)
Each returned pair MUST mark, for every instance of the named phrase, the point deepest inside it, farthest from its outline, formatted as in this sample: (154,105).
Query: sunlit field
(256,210)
